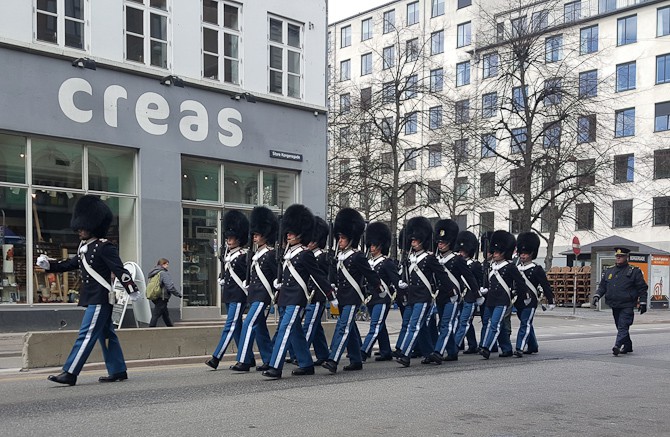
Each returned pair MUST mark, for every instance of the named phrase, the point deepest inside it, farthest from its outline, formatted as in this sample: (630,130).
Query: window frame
(553,49)
(345,36)
(60,32)
(464,34)
(345,73)
(366,61)
(663,118)
(388,25)
(462,74)
(489,104)
(665,59)
(661,164)
(436,80)
(437,46)
(623,115)
(623,25)
(366,22)
(221,58)
(624,162)
(588,87)
(661,202)
(588,43)
(435,117)
(662,29)
(630,84)
(414,14)
(580,210)
(489,69)
(436,8)
(287,48)
(147,38)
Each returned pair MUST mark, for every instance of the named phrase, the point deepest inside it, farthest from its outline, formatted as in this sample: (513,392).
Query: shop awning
(609,243)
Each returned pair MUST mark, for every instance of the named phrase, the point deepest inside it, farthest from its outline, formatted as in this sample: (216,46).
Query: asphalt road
(573,386)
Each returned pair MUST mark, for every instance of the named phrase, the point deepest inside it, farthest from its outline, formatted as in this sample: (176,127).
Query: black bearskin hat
(502,241)
(264,222)
(467,242)
(298,219)
(236,224)
(528,242)
(379,234)
(419,228)
(446,230)
(321,229)
(93,215)
(350,223)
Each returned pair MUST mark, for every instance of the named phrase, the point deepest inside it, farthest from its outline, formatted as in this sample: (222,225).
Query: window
(488,145)
(387,163)
(434,192)
(500,32)
(366,29)
(487,185)
(588,83)
(410,159)
(437,42)
(519,140)
(437,80)
(606,6)
(388,92)
(517,180)
(344,136)
(389,57)
(663,21)
(412,13)
(434,155)
(436,8)
(627,30)
(366,98)
(588,40)
(549,219)
(410,86)
(489,105)
(572,11)
(625,76)
(461,187)
(366,64)
(552,92)
(487,221)
(61,22)
(624,124)
(409,198)
(585,215)
(435,117)
(411,121)
(463,34)
(518,27)
(462,73)
(345,103)
(515,220)
(662,164)
(345,69)
(147,47)
(662,117)
(345,36)
(345,170)
(661,211)
(490,65)
(366,133)
(624,167)
(389,21)
(518,98)
(586,172)
(586,129)
(552,135)
(553,48)
(412,49)
(461,149)
(344,200)
(220,28)
(462,111)
(387,127)
(463,3)
(539,20)
(663,68)
(286,58)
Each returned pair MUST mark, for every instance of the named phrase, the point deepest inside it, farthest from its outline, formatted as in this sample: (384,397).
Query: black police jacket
(623,286)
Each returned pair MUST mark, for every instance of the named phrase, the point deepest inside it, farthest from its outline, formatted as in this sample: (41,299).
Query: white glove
(222,281)
(402,284)
(43,262)
(454,298)
(276,284)
(134,296)
(551,307)
(483,291)
(244,284)
(334,303)
(480,301)
(527,301)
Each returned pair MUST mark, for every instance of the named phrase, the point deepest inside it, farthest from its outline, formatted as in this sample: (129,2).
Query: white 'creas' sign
(151,113)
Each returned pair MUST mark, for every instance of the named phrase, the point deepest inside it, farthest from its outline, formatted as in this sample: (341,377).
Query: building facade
(172,111)
(576,142)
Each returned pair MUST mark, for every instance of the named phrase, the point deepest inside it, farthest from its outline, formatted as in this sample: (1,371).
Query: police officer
(234,294)
(466,245)
(623,285)
(263,226)
(97,259)
(352,267)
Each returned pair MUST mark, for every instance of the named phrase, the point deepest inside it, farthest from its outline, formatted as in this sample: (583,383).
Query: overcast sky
(340,9)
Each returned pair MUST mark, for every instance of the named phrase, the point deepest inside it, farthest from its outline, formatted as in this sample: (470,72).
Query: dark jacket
(167,284)
(417,292)
(232,292)
(463,275)
(322,262)
(538,278)
(388,272)
(304,262)
(497,295)
(267,263)
(358,267)
(623,286)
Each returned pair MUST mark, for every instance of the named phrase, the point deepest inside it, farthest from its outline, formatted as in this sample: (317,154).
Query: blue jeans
(255,328)
(314,333)
(465,324)
(231,330)
(96,326)
(346,334)
(289,332)
(446,340)
(494,316)
(378,331)
(419,313)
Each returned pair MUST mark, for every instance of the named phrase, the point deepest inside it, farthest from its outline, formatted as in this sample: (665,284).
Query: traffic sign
(576,246)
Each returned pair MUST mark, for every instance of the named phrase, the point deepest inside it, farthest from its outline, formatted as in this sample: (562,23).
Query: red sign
(575,246)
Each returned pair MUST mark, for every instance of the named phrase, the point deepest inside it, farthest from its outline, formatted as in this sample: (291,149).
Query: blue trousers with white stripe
(289,332)
(526,334)
(96,326)
(494,315)
(465,324)
(231,330)
(378,331)
(313,329)
(255,328)
(346,334)
(448,323)
(419,313)
(406,316)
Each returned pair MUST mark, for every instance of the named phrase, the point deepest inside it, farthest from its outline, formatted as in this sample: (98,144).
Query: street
(574,385)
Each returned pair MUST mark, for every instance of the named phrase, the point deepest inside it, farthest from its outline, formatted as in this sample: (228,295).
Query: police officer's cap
(264,222)
(379,234)
(93,215)
(236,224)
(446,231)
(467,242)
(351,224)
(621,251)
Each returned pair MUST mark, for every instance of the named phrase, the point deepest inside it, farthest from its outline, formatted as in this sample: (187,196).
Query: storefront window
(240,185)
(13,280)
(111,170)
(57,164)
(200,256)
(278,189)
(12,159)
(200,180)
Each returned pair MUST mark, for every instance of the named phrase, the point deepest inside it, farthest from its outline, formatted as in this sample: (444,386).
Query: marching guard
(234,295)
(264,228)
(466,245)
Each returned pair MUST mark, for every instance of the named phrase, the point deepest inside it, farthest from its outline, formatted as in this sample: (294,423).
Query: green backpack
(154,287)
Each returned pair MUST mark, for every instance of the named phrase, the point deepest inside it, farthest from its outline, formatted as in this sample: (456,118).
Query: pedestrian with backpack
(159,289)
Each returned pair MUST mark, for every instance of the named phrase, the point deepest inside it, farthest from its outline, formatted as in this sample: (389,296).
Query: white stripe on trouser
(504,310)
(528,327)
(468,324)
(345,337)
(450,329)
(312,321)
(416,331)
(378,327)
(231,332)
(87,339)
(247,343)
(284,340)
